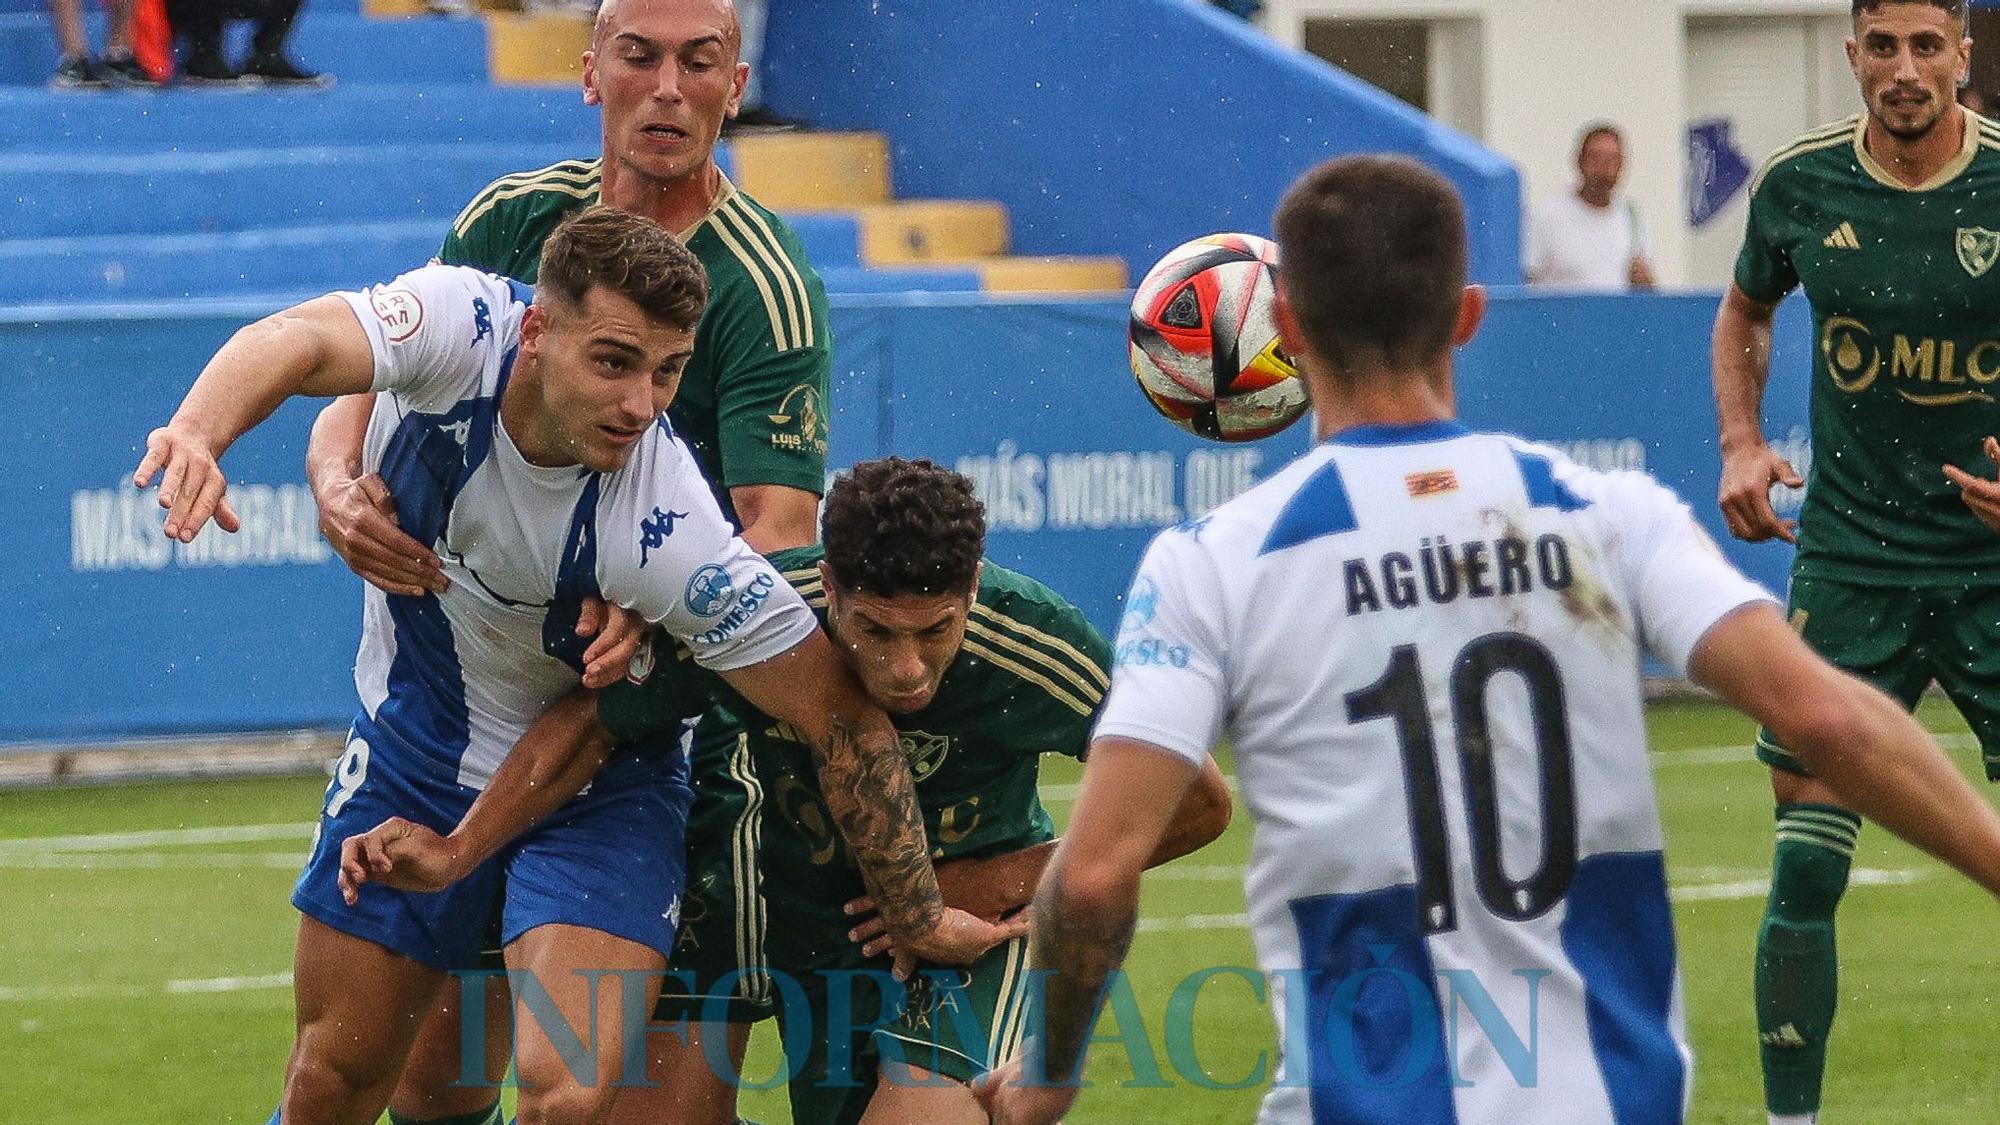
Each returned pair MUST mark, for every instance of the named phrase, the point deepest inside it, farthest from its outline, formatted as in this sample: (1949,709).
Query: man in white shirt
(1424,644)
(1592,237)
(522,434)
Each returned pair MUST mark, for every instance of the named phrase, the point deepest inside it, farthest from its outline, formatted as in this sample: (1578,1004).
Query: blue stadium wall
(117,632)
(1199,126)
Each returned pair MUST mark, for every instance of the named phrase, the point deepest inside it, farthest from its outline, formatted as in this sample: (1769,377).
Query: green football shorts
(956,1023)
(720,950)
(1900,639)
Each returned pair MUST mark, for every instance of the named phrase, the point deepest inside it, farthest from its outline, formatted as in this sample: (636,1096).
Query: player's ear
(1289,337)
(1471,310)
(590,94)
(736,89)
(534,323)
(831,587)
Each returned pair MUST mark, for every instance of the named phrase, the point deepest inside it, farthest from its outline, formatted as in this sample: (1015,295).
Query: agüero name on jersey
(1440,571)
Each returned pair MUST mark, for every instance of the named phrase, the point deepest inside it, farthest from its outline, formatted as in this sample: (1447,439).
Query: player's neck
(1598,199)
(675,204)
(1402,398)
(526,427)
(1914,160)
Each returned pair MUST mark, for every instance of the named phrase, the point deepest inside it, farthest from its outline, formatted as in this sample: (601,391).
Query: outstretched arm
(1085,913)
(1883,765)
(317,348)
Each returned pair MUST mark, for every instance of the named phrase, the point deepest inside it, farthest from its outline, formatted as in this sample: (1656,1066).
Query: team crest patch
(709,591)
(1978,249)
(1433,483)
(800,423)
(925,751)
(402,314)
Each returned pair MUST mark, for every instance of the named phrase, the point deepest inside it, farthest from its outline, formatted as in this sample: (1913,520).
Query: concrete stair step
(1062,273)
(931,230)
(813,171)
(541,48)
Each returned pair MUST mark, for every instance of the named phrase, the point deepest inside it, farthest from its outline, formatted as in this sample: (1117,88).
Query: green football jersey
(1029,681)
(1906,318)
(752,403)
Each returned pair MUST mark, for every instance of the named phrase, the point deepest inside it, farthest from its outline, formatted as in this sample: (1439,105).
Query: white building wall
(1524,76)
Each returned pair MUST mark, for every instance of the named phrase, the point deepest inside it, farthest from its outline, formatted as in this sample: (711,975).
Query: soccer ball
(1205,340)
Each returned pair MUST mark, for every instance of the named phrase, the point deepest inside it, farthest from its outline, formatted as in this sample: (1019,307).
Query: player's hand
(615,634)
(1745,497)
(958,884)
(1979,494)
(1007,1100)
(397,853)
(958,938)
(192,486)
(358,517)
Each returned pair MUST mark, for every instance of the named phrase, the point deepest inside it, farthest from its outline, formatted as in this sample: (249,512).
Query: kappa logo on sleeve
(653,532)
(482,321)
(400,312)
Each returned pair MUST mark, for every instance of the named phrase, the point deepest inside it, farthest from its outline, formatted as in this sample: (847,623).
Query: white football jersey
(460,677)
(1425,647)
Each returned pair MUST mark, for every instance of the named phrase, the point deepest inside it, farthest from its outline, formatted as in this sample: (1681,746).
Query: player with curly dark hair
(903,527)
(982,671)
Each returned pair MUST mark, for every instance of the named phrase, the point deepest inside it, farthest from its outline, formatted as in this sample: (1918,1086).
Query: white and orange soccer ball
(1205,343)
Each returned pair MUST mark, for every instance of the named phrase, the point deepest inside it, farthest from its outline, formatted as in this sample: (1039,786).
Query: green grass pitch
(145,934)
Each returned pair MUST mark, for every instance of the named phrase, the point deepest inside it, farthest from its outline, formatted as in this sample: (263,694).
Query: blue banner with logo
(118,632)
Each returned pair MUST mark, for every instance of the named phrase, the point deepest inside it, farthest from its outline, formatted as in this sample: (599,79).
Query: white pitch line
(146,861)
(164,837)
(1758,888)
(1195,872)
(229,984)
(196,986)
(1739,754)
(1693,892)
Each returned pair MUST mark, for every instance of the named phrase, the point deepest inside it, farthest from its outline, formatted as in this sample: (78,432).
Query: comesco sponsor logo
(747,605)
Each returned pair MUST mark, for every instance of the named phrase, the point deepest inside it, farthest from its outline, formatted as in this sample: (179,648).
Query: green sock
(1797,975)
(488,1116)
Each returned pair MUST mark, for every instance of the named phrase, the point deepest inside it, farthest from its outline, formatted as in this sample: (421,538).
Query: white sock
(1795,1118)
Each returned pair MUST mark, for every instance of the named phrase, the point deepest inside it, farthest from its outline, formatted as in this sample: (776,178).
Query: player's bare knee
(567,1102)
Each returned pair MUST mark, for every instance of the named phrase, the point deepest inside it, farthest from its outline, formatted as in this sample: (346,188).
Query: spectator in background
(78,70)
(1592,237)
(201,21)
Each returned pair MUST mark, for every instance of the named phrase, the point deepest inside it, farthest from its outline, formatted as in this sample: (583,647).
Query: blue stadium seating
(347,44)
(271,195)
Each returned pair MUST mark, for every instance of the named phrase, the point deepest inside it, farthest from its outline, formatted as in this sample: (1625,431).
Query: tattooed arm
(868,788)
(1084,915)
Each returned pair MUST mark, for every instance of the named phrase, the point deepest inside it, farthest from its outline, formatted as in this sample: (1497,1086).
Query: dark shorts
(721,947)
(1901,639)
(956,1022)
(613,859)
